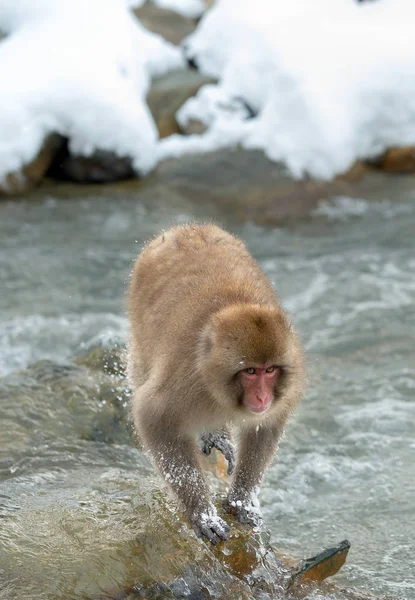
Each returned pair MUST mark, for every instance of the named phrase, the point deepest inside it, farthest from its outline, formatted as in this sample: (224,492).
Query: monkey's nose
(263,399)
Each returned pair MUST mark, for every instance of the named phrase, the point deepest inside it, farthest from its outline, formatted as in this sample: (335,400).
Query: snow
(329,81)
(81,69)
(188,8)
(316,85)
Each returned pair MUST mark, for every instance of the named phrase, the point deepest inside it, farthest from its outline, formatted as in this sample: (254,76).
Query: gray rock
(101,167)
(25,180)
(169,93)
(244,184)
(172,26)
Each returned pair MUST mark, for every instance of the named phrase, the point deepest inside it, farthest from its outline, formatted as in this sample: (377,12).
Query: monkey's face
(247,359)
(258,384)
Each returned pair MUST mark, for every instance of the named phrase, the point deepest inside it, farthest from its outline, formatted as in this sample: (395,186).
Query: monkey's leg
(256,450)
(178,458)
(220,440)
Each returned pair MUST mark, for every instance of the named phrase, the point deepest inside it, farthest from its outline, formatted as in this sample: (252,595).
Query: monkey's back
(183,276)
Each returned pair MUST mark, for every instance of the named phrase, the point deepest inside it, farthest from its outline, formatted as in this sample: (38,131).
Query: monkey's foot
(221,441)
(247,513)
(211,526)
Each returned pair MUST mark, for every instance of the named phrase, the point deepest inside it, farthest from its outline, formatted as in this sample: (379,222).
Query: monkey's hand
(210,525)
(247,512)
(221,441)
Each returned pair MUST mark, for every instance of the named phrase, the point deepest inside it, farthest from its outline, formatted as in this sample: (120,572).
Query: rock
(169,93)
(30,176)
(396,160)
(101,167)
(253,570)
(193,127)
(88,405)
(108,359)
(241,183)
(172,26)
(237,182)
(166,96)
(247,185)
(323,565)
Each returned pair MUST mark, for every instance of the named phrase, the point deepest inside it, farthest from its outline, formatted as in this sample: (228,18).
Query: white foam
(35,337)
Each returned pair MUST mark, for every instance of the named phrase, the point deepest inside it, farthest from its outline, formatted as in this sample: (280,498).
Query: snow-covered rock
(315,84)
(82,70)
(327,82)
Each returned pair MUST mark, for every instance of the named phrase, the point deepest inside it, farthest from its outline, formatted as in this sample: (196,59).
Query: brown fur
(201,310)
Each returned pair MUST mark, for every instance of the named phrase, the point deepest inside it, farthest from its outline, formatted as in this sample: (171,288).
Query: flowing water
(346,465)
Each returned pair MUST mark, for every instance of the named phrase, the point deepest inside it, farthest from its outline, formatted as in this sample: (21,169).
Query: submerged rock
(88,405)
(111,360)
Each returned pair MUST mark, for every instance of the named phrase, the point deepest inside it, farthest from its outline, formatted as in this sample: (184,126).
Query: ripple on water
(33,337)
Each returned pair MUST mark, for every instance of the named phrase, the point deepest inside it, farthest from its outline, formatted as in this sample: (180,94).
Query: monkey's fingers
(225,447)
(247,514)
(210,526)
(206,443)
(219,440)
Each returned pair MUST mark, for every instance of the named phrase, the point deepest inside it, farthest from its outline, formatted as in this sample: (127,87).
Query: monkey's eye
(270,369)
(250,371)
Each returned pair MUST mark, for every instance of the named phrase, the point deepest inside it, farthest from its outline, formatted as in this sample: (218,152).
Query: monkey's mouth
(257,406)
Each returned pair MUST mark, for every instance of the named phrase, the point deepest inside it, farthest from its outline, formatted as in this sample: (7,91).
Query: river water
(345,468)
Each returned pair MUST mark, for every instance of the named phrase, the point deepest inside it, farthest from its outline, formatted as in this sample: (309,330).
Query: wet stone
(108,359)
(323,565)
(246,184)
(87,405)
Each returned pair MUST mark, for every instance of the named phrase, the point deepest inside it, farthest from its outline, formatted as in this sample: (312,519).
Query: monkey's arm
(177,457)
(221,440)
(256,450)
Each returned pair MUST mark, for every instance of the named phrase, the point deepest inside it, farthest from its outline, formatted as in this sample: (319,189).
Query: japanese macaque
(210,347)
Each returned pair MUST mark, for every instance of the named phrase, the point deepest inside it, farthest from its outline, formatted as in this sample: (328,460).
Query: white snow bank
(82,69)
(330,81)
(188,8)
(315,84)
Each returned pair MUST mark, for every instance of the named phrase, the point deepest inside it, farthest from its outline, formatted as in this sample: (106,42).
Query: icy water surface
(346,465)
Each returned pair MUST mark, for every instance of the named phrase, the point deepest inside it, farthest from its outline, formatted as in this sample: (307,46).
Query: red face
(258,383)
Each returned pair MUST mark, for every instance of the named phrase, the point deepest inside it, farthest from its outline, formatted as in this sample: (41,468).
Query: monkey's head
(251,360)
